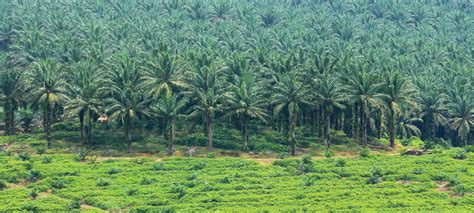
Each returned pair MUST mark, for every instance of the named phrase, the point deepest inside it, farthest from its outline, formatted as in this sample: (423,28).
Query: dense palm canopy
(347,66)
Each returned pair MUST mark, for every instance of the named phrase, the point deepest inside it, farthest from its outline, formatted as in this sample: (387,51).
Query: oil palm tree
(289,94)
(328,95)
(406,125)
(461,111)
(126,100)
(12,90)
(205,89)
(169,107)
(162,75)
(245,101)
(399,91)
(84,101)
(48,88)
(363,89)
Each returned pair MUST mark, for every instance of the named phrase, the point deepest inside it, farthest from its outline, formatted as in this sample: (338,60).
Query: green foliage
(460,155)
(3,184)
(102,182)
(24,156)
(364,152)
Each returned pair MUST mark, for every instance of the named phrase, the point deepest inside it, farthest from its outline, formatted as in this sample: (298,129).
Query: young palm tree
(289,94)
(363,89)
(13,88)
(169,108)
(328,94)
(48,88)
(399,91)
(83,91)
(126,100)
(245,101)
(204,86)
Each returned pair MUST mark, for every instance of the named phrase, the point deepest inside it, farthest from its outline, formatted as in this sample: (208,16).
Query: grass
(376,183)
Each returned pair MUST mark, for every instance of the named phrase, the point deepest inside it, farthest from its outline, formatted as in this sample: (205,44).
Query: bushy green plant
(158,166)
(147,181)
(460,190)
(34,175)
(199,166)
(58,184)
(3,184)
(282,155)
(211,155)
(131,192)
(340,162)
(47,159)
(102,182)
(81,156)
(113,171)
(329,153)
(33,194)
(74,204)
(460,155)
(24,156)
(40,150)
(364,152)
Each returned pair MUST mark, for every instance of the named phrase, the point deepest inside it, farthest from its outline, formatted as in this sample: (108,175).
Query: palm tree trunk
(128,132)
(364,119)
(47,122)
(169,137)
(292,134)
(327,130)
(81,121)
(9,117)
(209,131)
(89,129)
(393,130)
(245,134)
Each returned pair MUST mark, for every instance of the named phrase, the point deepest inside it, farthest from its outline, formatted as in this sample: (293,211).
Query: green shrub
(30,207)
(47,159)
(179,190)
(58,184)
(453,181)
(460,155)
(364,152)
(469,148)
(282,155)
(329,153)
(460,190)
(81,156)
(418,171)
(3,185)
(132,192)
(75,204)
(33,194)
(113,171)
(340,162)
(211,155)
(158,166)
(148,181)
(24,156)
(199,166)
(34,176)
(40,150)
(193,176)
(102,182)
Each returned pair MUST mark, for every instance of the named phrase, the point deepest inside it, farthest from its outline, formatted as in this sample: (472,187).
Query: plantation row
(365,70)
(442,181)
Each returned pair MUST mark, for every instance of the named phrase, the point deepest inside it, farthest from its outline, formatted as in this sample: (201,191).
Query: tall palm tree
(289,94)
(245,100)
(48,88)
(399,91)
(363,89)
(433,110)
(162,75)
(204,86)
(13,88)
(169,108)
(328,94)
(84,101)
(461,111)
(126,100)
(406,125)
